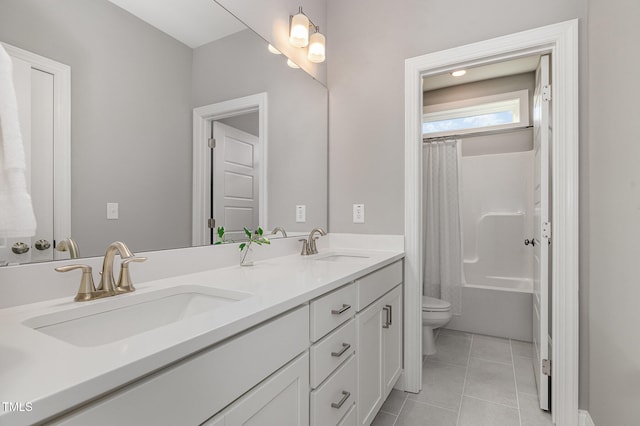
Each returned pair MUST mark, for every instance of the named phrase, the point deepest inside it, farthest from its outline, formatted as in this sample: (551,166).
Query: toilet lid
(431,304)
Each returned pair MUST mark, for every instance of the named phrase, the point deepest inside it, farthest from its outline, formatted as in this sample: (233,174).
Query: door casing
(561,41)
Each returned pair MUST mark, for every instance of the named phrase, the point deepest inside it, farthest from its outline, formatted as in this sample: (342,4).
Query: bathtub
(502,309)
(497,296)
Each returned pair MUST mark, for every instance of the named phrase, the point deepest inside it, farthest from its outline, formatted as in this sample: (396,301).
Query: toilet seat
(431,304)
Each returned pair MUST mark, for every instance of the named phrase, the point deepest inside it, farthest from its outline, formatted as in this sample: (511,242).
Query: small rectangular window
(488,113)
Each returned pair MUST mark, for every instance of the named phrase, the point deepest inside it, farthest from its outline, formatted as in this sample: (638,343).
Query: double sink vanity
(292,340)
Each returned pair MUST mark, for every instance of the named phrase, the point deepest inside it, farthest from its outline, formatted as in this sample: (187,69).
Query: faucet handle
(124,281)
(305,247)
(87,290)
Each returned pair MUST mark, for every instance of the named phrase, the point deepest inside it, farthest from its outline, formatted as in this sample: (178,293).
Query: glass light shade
(299,34)
(316,48)
(292,64)
(274,50)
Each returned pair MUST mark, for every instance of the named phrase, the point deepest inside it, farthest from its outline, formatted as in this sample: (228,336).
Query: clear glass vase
(246,256)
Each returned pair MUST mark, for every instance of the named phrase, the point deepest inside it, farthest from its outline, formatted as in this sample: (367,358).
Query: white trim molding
(202,118)
(61,137)
(561,40)
(585,418)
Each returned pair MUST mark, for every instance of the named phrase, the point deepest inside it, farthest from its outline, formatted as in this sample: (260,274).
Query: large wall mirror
(150,86)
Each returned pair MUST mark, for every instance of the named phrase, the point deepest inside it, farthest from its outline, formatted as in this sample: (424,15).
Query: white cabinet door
(283,399)
(392,338)
(370,362)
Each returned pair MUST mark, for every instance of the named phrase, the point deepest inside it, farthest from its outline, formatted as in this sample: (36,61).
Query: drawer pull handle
(387,322)
(345,347)
(390,314)
(342,310)
(345,396)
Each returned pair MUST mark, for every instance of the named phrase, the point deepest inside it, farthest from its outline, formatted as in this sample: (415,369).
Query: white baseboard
(585,418)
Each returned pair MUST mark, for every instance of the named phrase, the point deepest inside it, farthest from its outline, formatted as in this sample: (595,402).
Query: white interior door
(235,175)
(35,100)
(541,227)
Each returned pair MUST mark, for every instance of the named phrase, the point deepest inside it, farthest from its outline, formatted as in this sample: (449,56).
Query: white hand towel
(16,211)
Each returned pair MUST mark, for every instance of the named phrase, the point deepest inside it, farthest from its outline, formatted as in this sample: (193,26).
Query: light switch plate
(301,213)
(358,213)
(112,210)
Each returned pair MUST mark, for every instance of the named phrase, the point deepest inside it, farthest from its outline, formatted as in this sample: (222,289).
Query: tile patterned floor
(473,380)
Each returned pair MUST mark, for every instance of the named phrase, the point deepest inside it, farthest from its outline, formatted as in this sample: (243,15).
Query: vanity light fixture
(459,73)
(299,26)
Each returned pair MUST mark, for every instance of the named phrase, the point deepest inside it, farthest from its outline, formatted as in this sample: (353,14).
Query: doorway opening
(229,168)
(560,41)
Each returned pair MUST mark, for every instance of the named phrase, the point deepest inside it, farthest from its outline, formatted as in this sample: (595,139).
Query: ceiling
(486,72)
(193,22)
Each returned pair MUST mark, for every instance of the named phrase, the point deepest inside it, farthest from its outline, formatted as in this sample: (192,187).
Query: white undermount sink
(119,317)
(342,257)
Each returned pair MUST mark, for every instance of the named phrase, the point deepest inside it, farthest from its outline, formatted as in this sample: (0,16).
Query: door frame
(202,116)
(561,40)
(61,137)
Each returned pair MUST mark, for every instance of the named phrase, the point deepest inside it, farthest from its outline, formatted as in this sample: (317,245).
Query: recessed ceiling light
(292,64)
(459,73)
(274,50)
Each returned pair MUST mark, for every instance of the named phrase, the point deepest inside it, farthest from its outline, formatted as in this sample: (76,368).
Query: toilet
(435,313)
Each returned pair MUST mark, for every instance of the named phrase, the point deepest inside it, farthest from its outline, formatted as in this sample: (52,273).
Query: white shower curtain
(442,223)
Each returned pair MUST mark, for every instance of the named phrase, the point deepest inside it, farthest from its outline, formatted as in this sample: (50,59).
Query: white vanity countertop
(54,375)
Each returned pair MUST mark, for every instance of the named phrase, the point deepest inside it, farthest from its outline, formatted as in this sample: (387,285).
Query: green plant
(221,237)
(254,237)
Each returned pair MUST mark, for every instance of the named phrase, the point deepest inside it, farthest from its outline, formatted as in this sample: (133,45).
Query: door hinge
(546,230)
(211,223)
(546,367)
(546,93)
(211,143)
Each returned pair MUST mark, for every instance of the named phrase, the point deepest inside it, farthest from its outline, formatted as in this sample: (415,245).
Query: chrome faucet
(107,286)
(281,229)
(312,240)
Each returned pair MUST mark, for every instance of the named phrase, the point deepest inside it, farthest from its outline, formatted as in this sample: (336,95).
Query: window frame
(479,106)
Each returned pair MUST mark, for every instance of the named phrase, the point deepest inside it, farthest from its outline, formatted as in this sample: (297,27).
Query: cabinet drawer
(351,418)
(329,311)
(372,286)
(330,352)
(335,397)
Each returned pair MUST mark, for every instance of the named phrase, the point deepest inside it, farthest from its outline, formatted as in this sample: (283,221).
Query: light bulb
(292,64)
(316,48)
(274,50)
(459,73)
(299,34)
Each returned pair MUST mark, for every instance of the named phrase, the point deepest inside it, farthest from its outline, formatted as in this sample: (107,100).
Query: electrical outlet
(358,213)
(112,210)
(301,213)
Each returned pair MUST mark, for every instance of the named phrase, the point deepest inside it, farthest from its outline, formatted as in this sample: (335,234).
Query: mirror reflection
(150,91)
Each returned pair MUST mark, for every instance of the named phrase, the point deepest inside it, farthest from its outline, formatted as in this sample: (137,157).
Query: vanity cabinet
(191,391)
(379,333)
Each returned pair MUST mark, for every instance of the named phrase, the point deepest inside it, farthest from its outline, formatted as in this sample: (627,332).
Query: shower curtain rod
(474,134)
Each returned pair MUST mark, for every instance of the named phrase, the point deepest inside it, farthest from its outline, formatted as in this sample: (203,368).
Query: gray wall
(614,185)
(297,121)
(122,145)
(366,78)
(245,122)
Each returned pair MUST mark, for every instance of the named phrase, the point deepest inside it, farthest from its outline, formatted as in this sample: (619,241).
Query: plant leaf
(247,232)
(242,246)
(259,231)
